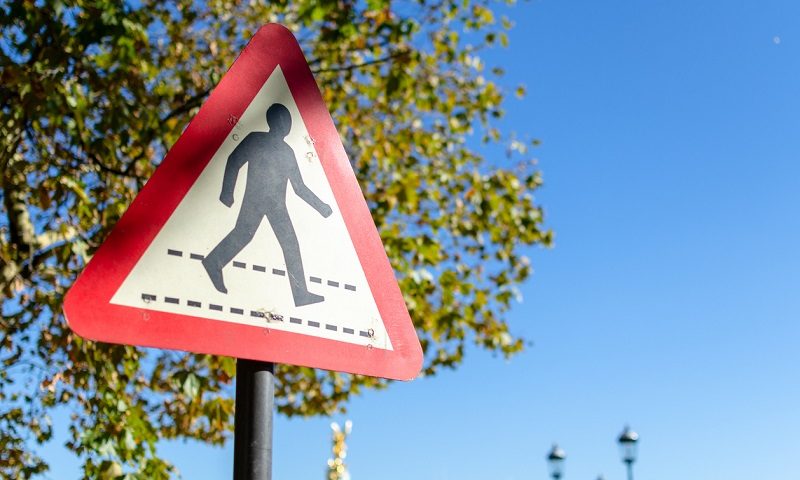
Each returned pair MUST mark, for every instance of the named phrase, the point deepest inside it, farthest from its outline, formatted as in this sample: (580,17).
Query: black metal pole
(630,469)
(252,442)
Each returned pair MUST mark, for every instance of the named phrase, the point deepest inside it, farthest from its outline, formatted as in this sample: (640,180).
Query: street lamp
(627,448)
(556,461)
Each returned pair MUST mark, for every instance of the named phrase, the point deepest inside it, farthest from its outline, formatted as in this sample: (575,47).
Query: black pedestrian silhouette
(272,164)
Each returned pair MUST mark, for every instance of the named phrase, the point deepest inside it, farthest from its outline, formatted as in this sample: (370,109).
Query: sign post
(252,442)
(253,240)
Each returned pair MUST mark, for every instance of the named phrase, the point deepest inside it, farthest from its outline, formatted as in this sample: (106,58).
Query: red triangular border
(87,305)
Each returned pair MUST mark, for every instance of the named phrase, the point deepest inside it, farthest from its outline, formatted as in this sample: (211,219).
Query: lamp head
(627,445)
(555,460)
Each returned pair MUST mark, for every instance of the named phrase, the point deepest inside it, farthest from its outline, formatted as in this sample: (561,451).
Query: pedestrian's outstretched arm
(302,191)
(235,161)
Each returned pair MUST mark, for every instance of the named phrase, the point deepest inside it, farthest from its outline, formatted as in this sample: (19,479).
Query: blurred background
(670,302)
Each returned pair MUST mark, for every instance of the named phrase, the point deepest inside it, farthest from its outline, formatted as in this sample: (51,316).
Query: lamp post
(627,448)
(555,459)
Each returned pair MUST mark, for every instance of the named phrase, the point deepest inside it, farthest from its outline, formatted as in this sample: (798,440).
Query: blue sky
(671,156)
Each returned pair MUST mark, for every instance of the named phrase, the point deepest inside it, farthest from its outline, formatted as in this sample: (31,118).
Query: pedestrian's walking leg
(284,231)
(231,245)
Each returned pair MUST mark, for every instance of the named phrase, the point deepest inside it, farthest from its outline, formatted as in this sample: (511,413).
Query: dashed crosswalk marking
(268,316)
(263,269)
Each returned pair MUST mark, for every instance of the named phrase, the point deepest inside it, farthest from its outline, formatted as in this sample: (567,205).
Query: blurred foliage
(337,469)
(93,93)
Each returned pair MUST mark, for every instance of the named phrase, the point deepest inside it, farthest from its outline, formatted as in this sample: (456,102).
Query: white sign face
(259,239)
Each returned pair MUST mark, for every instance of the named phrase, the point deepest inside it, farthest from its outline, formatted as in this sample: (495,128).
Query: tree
(93,93)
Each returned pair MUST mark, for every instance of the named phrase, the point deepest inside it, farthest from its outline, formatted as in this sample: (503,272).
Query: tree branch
(93,158)
(22,234)
(24,269)
(96,160)
(356,66)
(188,104)
(367,48)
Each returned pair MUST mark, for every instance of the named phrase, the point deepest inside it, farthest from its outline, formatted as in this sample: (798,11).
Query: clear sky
(671,301)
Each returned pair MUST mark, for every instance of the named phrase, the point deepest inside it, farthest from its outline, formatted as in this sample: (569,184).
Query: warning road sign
(253,239)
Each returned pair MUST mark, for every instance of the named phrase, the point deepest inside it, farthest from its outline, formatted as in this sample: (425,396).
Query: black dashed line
(260,268)
(260,314)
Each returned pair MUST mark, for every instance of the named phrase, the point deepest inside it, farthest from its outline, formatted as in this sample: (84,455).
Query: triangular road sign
(253,239)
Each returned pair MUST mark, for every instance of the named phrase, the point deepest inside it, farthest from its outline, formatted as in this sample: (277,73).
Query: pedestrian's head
(279,119)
